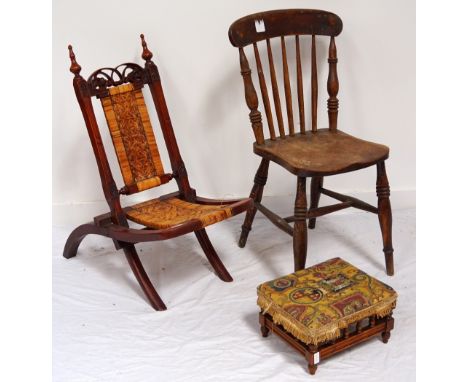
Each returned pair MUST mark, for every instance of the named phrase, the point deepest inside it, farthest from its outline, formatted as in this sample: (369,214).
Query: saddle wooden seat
(120,91)
(322,152)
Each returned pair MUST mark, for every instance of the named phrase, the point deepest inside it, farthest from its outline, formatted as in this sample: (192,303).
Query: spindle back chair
(305,153)
(120,92)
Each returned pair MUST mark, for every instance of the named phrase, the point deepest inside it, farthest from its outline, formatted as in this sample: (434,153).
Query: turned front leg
(256,194)
(315,186)
(300,225)
(385,215)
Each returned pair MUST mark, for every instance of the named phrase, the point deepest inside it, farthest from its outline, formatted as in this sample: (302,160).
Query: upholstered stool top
(314,304)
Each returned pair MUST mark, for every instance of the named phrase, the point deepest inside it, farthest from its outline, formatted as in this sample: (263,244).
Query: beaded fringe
(327,332)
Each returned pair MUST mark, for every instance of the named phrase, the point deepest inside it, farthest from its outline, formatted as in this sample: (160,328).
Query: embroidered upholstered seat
(329,302)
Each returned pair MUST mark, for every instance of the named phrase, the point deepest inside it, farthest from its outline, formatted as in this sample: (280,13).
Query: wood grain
(300,90)
(264,91)
(287,87)
(274,86)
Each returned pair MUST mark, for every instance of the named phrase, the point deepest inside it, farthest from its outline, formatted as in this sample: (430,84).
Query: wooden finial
(75,68)
(146,55)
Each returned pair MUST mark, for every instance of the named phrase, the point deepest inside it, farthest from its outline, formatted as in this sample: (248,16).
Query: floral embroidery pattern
(133,136)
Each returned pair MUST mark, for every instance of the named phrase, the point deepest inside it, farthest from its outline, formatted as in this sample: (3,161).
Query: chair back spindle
(314,83)
(251,98)
(284,23)
(332,86)
(300,90)
(287,87)
(264,90)
(274,86)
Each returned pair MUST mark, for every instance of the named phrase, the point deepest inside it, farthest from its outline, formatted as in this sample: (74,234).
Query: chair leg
(75,239)
(315,186)
(312,366)
(256,194)
(300,226)
(263,327)
(77,236)
(212,256)
(385,215)
(142,277)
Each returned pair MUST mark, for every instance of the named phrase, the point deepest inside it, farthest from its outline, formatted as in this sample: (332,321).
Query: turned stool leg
(263,328)
(256,194)
(389,322)
(315,186)
(300,226)
(385,215)
(312,366)
(385,337)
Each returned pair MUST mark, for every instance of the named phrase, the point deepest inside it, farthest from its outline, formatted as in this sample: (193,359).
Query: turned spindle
(264,91)
(251,98)
(314,84)
(346,332)
(359,326)
(300,92)
(274,87)
(332,86)
(287,87)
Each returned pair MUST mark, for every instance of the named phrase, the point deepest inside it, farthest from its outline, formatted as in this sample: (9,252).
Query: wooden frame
(114,224)
(296,151)
(354,334)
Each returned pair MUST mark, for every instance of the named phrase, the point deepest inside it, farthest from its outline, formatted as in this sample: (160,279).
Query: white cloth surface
(105,330)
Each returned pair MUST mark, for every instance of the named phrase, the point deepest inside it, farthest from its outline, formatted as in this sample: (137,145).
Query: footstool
(325,309)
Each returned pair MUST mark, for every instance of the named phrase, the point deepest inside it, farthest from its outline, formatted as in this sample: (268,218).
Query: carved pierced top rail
(284,22)
(102,79)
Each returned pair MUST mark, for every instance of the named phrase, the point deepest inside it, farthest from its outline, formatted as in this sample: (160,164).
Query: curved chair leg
(76,237)
(300,226)
(385,215)
(212,256)
(315,186)
(142,277)
(256,194)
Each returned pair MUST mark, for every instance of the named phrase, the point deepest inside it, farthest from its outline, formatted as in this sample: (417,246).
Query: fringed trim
(327,332)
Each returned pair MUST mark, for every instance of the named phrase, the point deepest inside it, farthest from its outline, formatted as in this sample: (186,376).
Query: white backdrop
(204,91)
